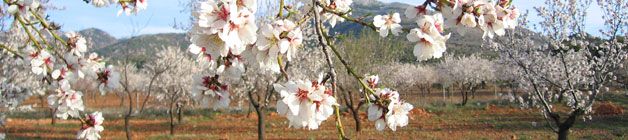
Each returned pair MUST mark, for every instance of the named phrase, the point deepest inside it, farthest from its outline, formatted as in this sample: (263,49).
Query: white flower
(304,103)
(209,47)
(331,18)
(125,9)
(140,5)
(77,43)
(415,11)
(393,113)
(488,21)
(41,61)
(108,80)
(207,89)
(431,24)
(371,80)
(23,6)
(397,115)
(215,17)
(92,125)
(12,9)
(67,103)
(508,16)
(233,67)
(240,31)
(386,23)
(100,3)
(428,46)
(468,20)
(280,37)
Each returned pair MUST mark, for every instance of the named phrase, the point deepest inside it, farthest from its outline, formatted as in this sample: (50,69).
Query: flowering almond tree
(224,32)
(59,63)
(568,63)
(467,73)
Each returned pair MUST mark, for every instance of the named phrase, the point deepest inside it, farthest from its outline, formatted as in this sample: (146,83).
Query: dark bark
(260,114)
(127,125)
(465,97)
(150,86)
(53,119)
(122,101)
(563,129)
(171,116)
(260,123)
(472,93)
(180,115)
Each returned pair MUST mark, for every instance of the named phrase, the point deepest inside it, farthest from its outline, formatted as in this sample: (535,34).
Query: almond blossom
(428,46)
(108,80)
(92,125)
(304,103)
(67,103)
(387,23)
(41,61)
(341,6)
(371,80)
(280,37)
(416,11)
(77,43)
(207,90)
(100,3)
(22,6)
(394,112)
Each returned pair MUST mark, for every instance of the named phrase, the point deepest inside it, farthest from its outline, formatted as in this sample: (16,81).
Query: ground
(491,119)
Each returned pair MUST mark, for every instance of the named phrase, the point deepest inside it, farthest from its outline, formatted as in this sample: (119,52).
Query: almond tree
(224,29)
(172,85)
(567,62)
(467,73)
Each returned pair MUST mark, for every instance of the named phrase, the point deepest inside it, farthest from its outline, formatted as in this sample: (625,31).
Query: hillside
(97,38)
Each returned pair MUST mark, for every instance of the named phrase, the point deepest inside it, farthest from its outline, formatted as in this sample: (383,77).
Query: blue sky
(160,16)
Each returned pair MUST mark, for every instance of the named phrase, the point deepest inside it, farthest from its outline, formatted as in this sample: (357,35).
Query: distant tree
(567,63)
(467,73)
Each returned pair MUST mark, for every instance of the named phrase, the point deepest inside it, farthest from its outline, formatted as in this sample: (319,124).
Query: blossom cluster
(460,15)
(208,90)
(275,39)
(62,68)
(22,6)
(305,103)
(339,6)
(492,18)
(223,31)
(92,125)
(390,110)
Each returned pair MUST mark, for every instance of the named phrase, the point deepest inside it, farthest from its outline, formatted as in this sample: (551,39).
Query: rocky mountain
(97,38)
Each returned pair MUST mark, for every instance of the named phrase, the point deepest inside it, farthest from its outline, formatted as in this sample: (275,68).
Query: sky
(161,14)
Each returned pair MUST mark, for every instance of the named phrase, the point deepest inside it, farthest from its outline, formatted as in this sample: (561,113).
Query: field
(485,117)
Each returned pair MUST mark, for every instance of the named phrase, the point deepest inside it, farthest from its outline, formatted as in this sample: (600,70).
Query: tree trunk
(472,93)
(150,86)
(563,129)
(127,125)
(260,123)
(464,97)
(122,101)
(356,116)
(53,119)
(171,116)
(180,115)
(563,133)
